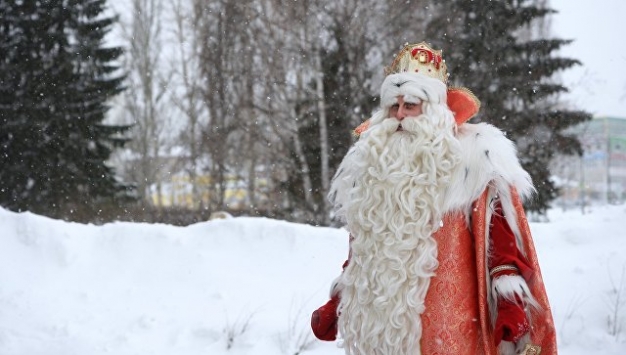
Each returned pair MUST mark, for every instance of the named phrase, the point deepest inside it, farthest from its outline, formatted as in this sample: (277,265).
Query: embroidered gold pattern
(450,321)
(499,268)
(531,350)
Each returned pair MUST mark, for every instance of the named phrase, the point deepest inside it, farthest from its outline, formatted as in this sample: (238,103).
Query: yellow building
(179,192)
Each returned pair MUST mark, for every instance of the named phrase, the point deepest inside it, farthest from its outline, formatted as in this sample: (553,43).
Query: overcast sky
(598,28)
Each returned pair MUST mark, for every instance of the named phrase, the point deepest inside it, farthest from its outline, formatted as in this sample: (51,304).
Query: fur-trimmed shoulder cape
(490,169)
(488,161)
(488,158)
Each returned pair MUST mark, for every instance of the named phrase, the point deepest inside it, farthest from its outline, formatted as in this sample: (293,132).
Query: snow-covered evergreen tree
(56,76)
(494,48)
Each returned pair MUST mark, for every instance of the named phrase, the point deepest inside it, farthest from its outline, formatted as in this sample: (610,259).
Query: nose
(400,113)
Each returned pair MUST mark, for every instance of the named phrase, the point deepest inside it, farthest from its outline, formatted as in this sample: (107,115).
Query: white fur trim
(412,85)
(521,344)
(488,158)
(509,348)
(412,99)
(335,287)
(506,348)
(509,286)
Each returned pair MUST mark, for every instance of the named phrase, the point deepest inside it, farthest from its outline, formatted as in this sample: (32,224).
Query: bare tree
(276,86)
(253,155)
(226,56)
(187,97)
(316,60)
(216,47)
(289,61)
(143,101)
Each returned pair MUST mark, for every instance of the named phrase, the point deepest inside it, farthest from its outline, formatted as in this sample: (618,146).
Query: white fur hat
(412,85)
(419,72)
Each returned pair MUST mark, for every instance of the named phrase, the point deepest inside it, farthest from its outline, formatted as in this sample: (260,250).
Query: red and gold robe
(457,319)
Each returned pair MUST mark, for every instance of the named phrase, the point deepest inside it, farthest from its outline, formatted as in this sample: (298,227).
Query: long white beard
(390,189)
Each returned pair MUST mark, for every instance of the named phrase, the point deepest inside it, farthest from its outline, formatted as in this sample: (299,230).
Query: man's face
(403,109)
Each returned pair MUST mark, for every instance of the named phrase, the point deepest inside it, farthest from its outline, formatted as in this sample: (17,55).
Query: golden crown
(419,58)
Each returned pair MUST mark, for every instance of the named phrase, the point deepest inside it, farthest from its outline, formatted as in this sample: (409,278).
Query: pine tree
(488,48)
(55,79)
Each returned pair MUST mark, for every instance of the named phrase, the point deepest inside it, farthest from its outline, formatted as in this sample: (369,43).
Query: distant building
(172,184)
(599,176)
(177,191)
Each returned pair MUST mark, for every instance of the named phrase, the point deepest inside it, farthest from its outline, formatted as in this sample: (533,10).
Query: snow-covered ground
(248,285)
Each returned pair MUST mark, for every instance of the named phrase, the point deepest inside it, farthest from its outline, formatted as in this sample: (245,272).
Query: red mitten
(324,320)
(511,323)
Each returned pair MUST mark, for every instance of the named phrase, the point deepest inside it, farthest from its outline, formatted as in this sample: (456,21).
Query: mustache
(411,124)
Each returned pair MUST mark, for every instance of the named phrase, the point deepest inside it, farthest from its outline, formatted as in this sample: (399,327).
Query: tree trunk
(321,107)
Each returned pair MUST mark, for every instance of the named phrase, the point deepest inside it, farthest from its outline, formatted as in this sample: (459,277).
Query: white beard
(389,190)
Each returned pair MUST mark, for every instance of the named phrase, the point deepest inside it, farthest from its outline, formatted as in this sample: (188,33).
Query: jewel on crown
(419,58)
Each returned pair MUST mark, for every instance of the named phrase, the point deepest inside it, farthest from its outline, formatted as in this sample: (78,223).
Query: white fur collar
(488,158)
